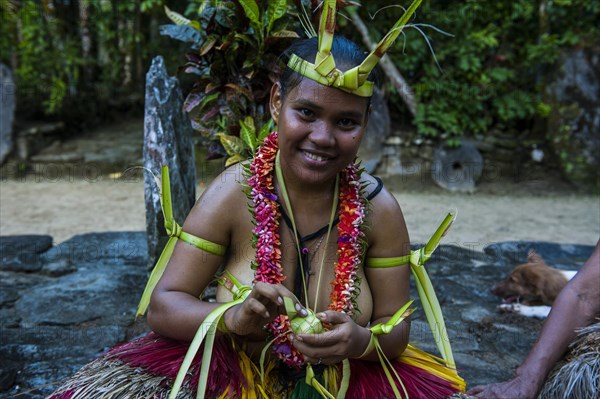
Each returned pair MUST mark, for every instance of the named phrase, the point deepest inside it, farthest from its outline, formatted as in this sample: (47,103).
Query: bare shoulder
(386,228)
(221,206)
(226,187)
(382,201)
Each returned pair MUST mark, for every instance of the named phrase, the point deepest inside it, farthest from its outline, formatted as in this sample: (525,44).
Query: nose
(322,134)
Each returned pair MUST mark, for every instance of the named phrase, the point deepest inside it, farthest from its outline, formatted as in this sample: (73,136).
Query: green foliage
(234,61)
(77,55)
(48,66)
(492,68)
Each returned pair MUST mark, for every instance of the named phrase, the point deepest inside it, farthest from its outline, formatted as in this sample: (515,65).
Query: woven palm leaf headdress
(354,80)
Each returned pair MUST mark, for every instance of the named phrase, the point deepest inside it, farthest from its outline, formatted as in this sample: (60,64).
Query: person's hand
(518,387)
(262,305)
(345,339)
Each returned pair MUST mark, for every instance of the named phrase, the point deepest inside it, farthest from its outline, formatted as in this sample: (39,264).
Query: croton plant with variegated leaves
(235,49)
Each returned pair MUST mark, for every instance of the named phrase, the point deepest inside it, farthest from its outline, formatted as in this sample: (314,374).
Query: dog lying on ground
(531,288)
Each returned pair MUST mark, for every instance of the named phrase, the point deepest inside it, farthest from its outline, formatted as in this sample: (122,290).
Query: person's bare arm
(576,307)
(175,308)
(390,287)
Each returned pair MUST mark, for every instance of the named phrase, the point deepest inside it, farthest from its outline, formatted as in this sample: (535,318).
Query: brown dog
(533,283)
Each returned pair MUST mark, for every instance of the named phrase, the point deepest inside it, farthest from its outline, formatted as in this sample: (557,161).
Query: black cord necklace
(303,259)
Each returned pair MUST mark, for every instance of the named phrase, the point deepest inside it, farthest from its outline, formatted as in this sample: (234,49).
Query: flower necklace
(266,240)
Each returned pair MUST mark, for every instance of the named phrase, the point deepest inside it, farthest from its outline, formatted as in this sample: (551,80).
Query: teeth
(314,157)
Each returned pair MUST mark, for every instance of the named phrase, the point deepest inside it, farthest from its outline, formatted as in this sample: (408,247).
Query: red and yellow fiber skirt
(146,368)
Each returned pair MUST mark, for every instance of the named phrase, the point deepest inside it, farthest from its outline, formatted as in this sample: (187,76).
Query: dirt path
(62,199)
(65,207)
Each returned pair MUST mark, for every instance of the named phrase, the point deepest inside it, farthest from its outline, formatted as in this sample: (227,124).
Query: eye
(347,123)
(306,113)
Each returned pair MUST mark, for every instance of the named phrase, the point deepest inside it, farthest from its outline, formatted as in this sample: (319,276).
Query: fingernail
(298,338)
(301,310)
(321,315)
(280,300)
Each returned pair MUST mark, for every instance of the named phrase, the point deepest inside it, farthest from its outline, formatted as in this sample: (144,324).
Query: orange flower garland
(267,242)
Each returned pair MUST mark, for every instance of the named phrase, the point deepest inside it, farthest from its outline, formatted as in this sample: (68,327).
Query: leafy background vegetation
(77,60)
(493,69)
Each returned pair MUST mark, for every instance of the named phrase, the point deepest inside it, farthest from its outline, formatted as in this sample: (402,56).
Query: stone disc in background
(457,169)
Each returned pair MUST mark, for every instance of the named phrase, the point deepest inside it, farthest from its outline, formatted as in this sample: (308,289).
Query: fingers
(265,301)
(326,352)
(333,335)
(273,294)
(341,332)
(332,317)
(336,344)
(315,361)
(257,307)
(266,293)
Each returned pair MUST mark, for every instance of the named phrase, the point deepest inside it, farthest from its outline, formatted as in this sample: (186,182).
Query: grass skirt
(147,366)
(580,376)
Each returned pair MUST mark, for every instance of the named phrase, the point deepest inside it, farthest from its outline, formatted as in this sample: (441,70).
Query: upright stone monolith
(7,111)
(378,130)
(167,141)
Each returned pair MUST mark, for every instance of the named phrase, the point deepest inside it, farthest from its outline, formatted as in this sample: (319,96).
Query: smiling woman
(325,294)
(320,130)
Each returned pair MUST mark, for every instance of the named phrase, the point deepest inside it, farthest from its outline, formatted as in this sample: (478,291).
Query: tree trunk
(388,67)
(87,73)
(138,77)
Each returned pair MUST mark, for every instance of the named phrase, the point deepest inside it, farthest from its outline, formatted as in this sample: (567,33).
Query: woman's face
(319,128)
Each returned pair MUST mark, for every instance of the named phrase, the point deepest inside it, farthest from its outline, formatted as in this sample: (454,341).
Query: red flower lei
(267,242)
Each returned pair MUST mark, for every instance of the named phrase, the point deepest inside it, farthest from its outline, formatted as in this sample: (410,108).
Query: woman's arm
(390,287)
(576,307)
(175,308)
(219,216)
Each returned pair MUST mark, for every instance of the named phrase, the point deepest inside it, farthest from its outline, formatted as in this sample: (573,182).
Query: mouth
(315,157)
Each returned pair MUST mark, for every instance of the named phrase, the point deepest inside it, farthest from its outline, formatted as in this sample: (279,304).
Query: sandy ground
(67,193)
(68,206)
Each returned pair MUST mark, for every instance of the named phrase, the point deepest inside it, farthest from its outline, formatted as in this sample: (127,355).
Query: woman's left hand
(344,340)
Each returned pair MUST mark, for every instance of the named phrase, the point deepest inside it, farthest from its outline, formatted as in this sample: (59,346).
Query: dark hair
(346,53)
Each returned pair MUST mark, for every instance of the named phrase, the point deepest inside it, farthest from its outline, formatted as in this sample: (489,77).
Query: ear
(276,101)
(533,257)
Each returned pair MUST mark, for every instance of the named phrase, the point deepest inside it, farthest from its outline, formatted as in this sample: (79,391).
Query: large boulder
(52,325)
(378,130)
(574,123)
(23,253)
(167,141)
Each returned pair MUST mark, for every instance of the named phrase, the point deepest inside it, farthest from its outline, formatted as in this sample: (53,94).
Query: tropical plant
(492,67)
(234,59)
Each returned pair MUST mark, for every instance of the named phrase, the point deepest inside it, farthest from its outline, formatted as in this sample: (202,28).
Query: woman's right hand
(263,304)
